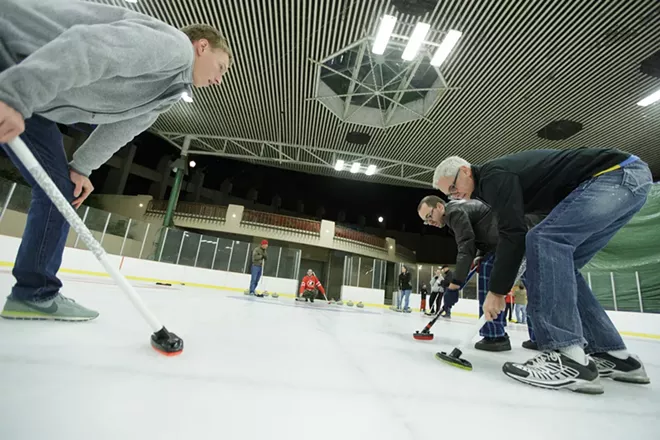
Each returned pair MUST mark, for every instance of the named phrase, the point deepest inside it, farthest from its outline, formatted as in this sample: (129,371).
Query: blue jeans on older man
(563,308)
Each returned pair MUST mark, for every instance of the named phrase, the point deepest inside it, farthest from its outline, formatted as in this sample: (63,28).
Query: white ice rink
(274,369)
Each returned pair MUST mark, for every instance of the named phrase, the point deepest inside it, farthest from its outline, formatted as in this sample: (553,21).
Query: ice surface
(272,369)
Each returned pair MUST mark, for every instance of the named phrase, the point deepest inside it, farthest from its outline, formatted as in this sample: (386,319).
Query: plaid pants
(491,329)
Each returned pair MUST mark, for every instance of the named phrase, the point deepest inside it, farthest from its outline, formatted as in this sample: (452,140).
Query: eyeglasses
(429,216)
(452,188)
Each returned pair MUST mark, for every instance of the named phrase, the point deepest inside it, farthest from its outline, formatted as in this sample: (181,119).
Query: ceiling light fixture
(371,170)
(383,34)
(339,165)
(653,97)
(192,164)
(446,47)
(415,41)
(355,167)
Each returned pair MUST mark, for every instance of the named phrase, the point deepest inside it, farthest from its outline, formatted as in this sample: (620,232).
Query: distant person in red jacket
(310,286)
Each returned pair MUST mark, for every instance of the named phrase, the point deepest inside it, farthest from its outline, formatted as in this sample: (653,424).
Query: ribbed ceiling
(519,66)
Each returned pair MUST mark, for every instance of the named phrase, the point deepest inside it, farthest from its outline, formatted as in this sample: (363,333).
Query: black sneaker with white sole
(554,370)
(629,370)
(494,344)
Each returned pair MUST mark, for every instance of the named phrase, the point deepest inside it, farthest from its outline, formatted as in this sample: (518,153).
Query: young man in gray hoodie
(79,62)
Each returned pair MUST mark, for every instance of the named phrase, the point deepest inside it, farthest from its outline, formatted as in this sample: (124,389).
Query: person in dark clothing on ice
(475,231)
(405,286)
(447,276)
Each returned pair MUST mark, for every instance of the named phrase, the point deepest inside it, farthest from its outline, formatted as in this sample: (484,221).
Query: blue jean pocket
(637,178)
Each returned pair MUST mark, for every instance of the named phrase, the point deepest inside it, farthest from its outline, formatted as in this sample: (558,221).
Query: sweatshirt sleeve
(106,140)
(319,285)
(84,54)
(504,192)
(459,222)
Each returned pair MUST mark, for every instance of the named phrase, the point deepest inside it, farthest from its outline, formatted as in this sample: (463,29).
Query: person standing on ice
(475,231)
(423,291)
(589,194)
(310,286)
(259,255)
(405,286)
(436,290)
(81,62)
(447,276)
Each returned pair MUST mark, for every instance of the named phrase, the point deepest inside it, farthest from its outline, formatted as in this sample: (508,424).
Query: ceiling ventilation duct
(356,137)
(651,65)
(414,7)
(559,130)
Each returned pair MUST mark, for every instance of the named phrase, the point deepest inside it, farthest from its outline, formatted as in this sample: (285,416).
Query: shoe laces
(65,299)
(542,359)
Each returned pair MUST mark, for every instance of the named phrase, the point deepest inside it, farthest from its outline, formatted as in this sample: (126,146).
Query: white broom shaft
(46,183)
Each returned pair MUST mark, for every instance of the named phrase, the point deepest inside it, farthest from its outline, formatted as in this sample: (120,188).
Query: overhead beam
(308,148)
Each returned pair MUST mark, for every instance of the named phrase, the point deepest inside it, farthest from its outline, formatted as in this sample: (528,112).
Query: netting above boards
(632,255)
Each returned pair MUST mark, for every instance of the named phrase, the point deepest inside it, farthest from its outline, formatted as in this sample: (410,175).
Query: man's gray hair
(448,167)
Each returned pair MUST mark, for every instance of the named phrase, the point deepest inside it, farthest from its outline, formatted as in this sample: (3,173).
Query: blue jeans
(521,313)
(495,328)
(564,310)
(40,253)
(255,272)
(405,294)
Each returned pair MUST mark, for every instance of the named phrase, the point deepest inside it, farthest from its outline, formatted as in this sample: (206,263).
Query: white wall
(628,323)
(367,296)
(82,262)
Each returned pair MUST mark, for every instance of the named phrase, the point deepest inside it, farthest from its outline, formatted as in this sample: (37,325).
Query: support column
(117,177)
(197,184)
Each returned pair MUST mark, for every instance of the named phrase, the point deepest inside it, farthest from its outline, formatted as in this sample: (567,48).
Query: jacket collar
(476,174)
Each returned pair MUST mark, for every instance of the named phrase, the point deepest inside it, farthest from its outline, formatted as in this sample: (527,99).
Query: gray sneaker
(58,309)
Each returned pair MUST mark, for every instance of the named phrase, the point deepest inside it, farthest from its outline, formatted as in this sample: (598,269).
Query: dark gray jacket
(475,228)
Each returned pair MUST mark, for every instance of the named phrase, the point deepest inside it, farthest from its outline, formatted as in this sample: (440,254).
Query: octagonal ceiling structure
(376,90)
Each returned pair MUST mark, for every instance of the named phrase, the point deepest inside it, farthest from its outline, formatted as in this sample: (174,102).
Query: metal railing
(344,233)
(286,222)
(189,209)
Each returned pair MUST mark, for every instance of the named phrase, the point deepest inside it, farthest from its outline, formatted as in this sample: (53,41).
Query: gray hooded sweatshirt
(72,61)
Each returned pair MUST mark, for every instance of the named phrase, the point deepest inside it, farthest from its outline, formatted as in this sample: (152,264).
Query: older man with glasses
(588,194)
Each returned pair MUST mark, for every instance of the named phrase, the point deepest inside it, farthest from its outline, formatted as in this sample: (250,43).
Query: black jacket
(448,279)
(474,228)
(531,182)
(405,281)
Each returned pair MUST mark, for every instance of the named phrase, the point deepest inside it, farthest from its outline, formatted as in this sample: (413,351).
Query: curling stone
(349,303)
(163,284)
(340,303)
(299,298)
(265,293)
(275,295)
(246,292)
(360,305)
(332,301)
